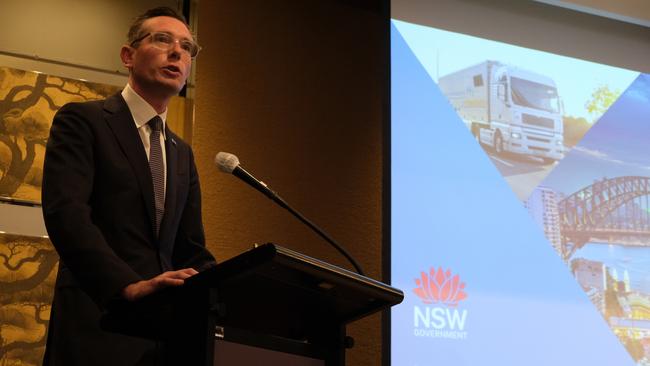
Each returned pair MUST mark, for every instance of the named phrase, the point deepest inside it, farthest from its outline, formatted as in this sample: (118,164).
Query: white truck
(508,108)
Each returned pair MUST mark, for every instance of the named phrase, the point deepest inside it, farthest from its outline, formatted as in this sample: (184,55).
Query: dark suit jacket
(98,206)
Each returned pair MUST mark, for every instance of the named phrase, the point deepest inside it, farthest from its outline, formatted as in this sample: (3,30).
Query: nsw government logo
(441,314)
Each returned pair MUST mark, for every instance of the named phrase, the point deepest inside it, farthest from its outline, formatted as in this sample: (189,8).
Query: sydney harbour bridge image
(614,211)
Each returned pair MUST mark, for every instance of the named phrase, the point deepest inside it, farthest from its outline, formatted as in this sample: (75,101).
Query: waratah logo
(440,287)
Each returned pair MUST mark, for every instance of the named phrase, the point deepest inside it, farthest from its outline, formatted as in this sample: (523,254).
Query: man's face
(156,71)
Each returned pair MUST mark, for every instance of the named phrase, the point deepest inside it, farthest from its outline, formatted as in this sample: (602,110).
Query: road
(523,173)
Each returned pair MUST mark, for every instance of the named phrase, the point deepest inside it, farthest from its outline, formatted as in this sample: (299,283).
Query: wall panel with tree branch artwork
(28,101)
(27,274)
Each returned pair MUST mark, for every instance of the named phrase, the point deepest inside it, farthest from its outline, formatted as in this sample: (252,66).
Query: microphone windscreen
(226,162)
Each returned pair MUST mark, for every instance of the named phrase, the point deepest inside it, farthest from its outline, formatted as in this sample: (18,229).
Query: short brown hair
(135,31)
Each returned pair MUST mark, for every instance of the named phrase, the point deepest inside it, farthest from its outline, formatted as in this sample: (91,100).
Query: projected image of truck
(527,108)
(508,109)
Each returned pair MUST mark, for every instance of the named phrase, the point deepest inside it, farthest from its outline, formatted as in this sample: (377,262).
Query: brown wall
(297,90)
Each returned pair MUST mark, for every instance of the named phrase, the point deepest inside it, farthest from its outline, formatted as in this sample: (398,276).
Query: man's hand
(140,289)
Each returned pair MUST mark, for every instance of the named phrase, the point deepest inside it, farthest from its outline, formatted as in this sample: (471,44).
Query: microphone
(229,163)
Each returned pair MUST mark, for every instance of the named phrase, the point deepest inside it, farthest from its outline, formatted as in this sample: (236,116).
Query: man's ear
(126,54)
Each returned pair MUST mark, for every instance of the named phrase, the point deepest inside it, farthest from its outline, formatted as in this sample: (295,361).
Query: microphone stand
(239,172)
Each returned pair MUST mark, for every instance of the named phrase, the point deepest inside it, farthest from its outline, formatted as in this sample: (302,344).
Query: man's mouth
(172,68)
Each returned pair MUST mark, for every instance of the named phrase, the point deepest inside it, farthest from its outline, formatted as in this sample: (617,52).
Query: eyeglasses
(165,42)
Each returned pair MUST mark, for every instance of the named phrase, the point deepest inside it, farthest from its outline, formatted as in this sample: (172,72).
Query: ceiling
(630,11)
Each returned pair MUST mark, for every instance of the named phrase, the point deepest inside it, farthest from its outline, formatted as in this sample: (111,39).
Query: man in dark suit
(121,199)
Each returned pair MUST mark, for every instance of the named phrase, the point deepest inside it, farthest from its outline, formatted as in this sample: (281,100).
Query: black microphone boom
(229,163)
(242,174)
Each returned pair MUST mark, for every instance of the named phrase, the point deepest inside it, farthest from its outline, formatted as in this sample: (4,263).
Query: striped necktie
(157,169)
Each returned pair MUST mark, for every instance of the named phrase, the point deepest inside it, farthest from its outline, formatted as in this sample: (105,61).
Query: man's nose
(176,50)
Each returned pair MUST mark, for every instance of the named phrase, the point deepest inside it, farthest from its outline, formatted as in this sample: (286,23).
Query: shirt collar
(141,111)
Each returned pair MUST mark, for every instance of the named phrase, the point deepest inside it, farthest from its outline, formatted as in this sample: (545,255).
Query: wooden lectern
(267,306)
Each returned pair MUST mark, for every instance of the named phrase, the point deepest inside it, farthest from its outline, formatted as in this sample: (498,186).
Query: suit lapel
(121,122)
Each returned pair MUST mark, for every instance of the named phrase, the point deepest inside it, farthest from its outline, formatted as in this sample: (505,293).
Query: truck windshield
(527,93)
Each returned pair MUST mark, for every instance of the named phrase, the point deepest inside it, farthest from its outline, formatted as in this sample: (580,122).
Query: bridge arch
(586,210)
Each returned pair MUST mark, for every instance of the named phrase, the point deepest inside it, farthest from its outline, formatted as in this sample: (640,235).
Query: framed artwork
(28,102)
(27,273)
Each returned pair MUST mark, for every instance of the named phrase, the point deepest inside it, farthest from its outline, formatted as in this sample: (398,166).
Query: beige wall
(294,88)
(76,32)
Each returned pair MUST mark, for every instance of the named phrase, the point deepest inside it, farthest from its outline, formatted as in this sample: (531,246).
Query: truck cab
(525,114)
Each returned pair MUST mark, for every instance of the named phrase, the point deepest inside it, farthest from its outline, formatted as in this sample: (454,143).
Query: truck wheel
(498,143)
